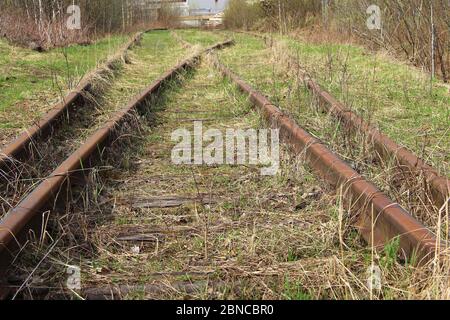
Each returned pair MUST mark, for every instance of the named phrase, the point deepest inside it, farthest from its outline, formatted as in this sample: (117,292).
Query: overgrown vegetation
(242,236)
(417,30)
(241,14)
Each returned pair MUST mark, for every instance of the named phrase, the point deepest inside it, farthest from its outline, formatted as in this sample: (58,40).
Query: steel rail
(439,186)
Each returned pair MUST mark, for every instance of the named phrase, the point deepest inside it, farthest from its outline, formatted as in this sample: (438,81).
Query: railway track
(157,221)
(379,218)
(395,163)
(26,216)
(437,185)
(35,152)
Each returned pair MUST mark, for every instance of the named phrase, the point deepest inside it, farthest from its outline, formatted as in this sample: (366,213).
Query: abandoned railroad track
(115,205)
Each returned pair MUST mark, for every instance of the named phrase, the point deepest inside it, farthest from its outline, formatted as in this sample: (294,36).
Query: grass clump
(197,37)
(293,291)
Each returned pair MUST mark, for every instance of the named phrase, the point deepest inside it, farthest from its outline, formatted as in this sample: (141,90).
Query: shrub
(241,14)
(270,15)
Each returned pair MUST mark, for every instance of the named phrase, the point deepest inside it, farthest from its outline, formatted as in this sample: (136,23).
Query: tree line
(46,21)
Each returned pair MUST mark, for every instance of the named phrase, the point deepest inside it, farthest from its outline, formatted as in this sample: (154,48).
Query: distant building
(208,11)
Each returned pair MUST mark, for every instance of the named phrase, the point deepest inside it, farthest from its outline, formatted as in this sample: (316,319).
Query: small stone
(135,249)
(302,205)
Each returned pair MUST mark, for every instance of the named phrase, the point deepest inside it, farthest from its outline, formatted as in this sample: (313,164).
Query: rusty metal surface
(16,224)
(379,219)
(19,148)
(439,186)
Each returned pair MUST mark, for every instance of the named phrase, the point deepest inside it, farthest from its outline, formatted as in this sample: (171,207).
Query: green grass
(202,38)
(391,251)
(293,290)
(292,255)
(30,81)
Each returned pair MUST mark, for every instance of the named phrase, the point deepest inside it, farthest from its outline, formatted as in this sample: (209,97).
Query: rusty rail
(379,219)
(439,186)
(16,224)
(19,149)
